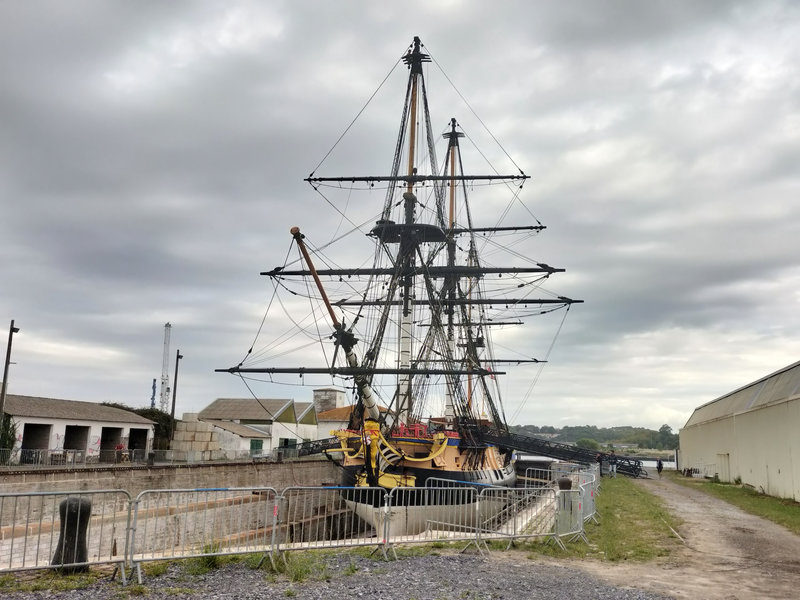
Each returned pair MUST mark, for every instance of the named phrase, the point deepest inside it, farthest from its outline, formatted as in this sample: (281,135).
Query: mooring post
(72,548)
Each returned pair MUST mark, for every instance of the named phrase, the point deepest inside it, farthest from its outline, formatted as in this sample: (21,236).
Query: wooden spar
(346,339)
(453,143)
(412,129)
(298,237)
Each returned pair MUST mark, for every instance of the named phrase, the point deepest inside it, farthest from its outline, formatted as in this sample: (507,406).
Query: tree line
(591,436)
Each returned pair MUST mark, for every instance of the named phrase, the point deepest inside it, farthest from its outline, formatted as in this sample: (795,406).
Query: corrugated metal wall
(750,434)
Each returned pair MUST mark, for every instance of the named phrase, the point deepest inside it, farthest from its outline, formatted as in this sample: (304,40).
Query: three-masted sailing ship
(411,331)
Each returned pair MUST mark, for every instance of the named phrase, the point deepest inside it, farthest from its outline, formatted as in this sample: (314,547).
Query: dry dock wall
(136,479)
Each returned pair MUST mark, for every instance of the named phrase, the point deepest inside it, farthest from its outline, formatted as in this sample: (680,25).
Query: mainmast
(451,281)
(408,246)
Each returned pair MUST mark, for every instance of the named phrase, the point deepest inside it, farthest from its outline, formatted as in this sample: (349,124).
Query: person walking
(659,467)
(600,464)
(612,464)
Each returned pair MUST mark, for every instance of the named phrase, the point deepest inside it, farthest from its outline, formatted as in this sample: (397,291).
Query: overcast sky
(152,157)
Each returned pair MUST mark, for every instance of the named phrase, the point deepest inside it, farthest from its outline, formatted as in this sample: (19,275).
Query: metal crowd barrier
(33,534)
(523,513)
(434,513)
(191,523)
(569,517)
(329,517)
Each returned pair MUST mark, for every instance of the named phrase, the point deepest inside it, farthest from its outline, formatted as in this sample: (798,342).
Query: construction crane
(164,398)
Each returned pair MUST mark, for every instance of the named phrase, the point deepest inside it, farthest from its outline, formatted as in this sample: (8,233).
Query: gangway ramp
(625,465)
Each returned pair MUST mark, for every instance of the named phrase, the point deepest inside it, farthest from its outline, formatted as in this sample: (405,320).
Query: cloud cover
(152,157)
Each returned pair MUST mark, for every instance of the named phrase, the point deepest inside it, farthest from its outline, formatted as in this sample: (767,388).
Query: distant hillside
(584,435)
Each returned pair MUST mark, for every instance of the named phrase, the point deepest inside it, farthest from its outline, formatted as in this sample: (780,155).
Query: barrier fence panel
(186,523)
(329,517)
(523,513)
(537,477)
(64,530)
(587,483)
(569,516)
(571,471)
(420,515)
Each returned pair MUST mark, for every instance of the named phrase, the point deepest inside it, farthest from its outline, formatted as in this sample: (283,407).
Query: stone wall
(134,479)
(196,441)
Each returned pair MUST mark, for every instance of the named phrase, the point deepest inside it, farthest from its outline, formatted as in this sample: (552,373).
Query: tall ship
(425,325)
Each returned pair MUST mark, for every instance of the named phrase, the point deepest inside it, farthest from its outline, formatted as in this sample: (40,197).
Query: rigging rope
(460,95)
(363,108)
(263,318)
(541,367)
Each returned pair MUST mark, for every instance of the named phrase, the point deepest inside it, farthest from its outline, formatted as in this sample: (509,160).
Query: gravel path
(726,554)
(506,575)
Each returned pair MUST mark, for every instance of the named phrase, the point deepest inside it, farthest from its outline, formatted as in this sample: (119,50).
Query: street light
(178,357)
(11,331)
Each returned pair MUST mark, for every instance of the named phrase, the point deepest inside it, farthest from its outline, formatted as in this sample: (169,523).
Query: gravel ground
(461,576)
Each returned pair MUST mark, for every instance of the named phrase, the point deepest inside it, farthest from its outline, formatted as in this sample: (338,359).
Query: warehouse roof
(73,410)
(777,387)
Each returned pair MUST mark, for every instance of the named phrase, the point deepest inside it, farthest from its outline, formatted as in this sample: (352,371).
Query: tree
(668,440)
(8,437)
(588,443)
(163,422)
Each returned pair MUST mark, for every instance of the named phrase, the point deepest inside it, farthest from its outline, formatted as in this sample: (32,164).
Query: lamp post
(178,357)
(11,331)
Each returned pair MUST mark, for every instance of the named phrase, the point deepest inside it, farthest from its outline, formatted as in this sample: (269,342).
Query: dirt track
(727,553)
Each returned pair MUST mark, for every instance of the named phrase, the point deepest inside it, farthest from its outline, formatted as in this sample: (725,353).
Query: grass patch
(633,525)
(351,568)
(297,566)
(49,580)
(778,510)
(180,591)
(155,569)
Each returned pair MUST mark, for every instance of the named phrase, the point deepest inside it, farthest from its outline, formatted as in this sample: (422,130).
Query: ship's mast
(414,59)
(452,154)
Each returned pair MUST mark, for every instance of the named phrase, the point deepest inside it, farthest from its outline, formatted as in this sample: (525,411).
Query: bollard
(75,513)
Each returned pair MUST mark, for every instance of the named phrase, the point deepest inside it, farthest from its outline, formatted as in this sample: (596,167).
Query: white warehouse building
(52,430)
(749,435)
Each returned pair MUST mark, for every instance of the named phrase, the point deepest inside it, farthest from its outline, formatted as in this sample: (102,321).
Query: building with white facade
(749,435)
(231,428)
(57,431)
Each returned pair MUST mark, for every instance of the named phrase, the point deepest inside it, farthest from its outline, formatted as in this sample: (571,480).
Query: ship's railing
(173,524)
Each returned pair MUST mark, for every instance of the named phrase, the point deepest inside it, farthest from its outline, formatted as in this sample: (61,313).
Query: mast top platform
(415,57)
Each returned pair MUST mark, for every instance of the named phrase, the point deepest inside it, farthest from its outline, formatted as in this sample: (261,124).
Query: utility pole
(178,357)
(11,331)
